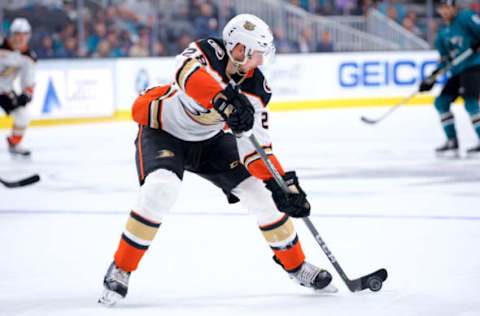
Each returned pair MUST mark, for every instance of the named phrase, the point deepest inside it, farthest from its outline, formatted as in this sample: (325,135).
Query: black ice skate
(449,149)
(115,285)
(310,276)
(17,150)
(474,151)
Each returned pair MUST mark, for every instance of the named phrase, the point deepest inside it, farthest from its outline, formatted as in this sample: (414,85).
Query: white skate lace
(306,275)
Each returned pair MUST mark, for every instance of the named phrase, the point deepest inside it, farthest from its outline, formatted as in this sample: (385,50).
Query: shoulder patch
(219,52)
(266,86)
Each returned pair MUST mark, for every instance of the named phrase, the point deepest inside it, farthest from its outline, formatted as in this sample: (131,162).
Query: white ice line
(336,215)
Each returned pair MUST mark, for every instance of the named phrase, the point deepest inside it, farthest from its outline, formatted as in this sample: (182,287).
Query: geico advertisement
(133,75)
(349,75)
(73,89)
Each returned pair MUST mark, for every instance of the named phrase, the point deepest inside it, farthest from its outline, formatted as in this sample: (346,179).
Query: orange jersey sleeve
(202,87)
(195,80)
(147,107)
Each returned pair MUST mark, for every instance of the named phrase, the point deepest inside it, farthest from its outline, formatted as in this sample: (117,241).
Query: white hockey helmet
(20,25)
(251,31)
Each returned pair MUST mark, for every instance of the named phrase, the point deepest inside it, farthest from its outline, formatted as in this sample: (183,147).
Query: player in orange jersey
(181,127)
(16,59)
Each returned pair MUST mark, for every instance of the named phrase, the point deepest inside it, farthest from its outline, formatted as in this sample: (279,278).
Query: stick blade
(30,180)
(368,121)
(363,282)
(21,183)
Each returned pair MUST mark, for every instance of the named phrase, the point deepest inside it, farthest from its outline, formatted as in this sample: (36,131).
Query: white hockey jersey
(185,109)
(14,63)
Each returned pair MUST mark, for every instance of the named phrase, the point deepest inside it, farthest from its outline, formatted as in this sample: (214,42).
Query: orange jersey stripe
(202,87)
(258,169)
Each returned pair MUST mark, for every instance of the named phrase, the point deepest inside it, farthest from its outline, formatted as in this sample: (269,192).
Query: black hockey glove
(235,109)
(428,83)
(294,204)
(23,99)
(476,46)
(8,102)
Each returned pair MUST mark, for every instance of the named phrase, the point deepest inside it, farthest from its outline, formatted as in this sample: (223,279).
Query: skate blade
(452,154)
(328,289)
(474,155)
(20,155)
(109,298)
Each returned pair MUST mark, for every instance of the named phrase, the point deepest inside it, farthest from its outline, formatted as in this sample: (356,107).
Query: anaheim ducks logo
(205,117)
(165,153)
(249,26)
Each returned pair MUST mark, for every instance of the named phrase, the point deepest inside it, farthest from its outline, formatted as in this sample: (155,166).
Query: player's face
(19,40)
(253,61)
(447,12)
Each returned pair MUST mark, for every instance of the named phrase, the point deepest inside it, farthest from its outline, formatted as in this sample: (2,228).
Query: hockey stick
(372,281)
(443,70)
(390,111)
(22,182)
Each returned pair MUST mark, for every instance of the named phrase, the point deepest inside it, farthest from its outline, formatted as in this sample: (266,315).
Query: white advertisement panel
(309,77)
(134,75)
(349,75)
(70,89)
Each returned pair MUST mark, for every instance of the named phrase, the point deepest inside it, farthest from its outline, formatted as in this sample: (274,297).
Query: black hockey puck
(374,283)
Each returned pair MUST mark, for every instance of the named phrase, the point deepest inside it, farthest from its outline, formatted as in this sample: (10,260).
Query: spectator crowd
(123,30)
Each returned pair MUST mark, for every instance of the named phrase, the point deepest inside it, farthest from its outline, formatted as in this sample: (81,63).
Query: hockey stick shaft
(278,178)
(391,110)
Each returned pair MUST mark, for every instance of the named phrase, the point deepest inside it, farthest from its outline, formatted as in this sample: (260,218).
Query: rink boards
(70,91)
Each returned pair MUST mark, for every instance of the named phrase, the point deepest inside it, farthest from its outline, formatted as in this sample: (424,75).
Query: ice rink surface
(380,199)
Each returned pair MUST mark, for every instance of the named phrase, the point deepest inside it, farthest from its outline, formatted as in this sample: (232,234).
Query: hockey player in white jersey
(16,59)
(181,127)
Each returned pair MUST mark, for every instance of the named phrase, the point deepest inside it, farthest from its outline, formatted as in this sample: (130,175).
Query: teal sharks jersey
(461,34)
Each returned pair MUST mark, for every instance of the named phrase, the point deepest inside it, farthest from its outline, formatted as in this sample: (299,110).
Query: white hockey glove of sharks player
(295,203)
(235,109)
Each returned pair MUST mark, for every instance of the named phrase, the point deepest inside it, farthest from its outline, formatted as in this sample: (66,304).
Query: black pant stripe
(144,220)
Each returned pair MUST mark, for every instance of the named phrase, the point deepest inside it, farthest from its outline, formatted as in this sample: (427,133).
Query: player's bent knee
(21,117)
(258,200)
(442,103)
(158,194)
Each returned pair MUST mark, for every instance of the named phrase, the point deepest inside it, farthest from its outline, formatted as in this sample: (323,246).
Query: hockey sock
(283,239)
(17,135)
(14,140)
(136,238)
(442,105)
(472,107)
(448,124)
